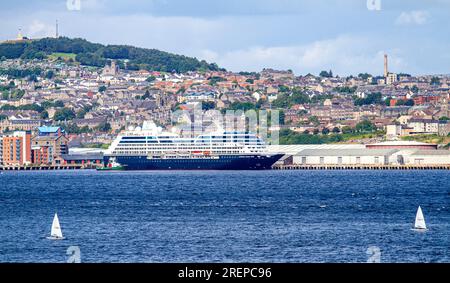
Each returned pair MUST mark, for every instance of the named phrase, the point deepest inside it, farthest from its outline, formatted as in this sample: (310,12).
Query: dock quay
(43,167)
(361,167)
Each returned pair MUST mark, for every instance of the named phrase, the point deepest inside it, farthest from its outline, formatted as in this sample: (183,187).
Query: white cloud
(39,29)
(345,55)
(412,18)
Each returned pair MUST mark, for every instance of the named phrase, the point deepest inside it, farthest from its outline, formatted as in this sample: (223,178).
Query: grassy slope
(64,56)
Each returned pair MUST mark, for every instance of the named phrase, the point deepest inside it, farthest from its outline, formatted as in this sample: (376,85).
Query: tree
(408,102)
(444,118)
(146,95)
(435,81)
(58,104)
(347,130)
(345,89)
(104,127)
(325,131)
(314,120)
(316,131)
(49,75)
(64,114)
(3,117)
(415,89)
(244,106)
(102,88)
(388,101)
(283,88)
(208,105)
(44,114)
(364,76)
(336,130)
(151,79)
(81,114)
(214,80)
(325,74)
(365,127)
(372,98)
(282,117)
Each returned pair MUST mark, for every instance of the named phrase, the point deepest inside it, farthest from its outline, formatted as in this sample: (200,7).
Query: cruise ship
(148,148)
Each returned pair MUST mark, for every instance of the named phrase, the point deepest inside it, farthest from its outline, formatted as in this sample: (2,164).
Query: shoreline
(274,168)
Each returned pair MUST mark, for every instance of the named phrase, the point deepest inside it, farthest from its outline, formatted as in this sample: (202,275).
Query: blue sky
(306,36)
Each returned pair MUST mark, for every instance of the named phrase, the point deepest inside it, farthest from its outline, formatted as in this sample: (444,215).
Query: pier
(361,167)
(43,167)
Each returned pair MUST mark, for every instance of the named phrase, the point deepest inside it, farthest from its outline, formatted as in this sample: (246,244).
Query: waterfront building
(1,150)
(430,157)
(16,148)
(49,145)
(343,157)
(83,159)
(372,157)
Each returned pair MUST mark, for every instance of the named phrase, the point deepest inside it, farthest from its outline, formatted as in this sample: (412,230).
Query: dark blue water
(270,216)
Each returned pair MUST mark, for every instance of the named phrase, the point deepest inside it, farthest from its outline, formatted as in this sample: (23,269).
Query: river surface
(225,216)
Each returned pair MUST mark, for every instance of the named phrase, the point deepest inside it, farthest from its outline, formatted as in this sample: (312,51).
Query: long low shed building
(371,157)
(343,157)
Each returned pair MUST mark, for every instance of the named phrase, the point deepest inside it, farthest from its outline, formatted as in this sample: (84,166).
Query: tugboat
(112,166)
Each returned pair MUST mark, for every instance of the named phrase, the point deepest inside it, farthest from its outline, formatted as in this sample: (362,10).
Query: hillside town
(56,104)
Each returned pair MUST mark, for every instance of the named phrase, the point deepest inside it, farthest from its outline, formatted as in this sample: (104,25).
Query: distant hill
(94,54)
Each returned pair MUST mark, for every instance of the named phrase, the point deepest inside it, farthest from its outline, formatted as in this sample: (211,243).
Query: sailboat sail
(56,228)
(420,220)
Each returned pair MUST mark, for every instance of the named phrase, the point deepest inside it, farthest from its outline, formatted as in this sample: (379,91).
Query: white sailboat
(420,225)
(56,233)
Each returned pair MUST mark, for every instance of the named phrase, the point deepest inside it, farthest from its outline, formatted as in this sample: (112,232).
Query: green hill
(94,54)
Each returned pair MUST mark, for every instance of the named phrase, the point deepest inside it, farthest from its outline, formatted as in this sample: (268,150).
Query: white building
(430,157)
(361,156)
(393,131)
(343,157)
(1,150)
(424,126)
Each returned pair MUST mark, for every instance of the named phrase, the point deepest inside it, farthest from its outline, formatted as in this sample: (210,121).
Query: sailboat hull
(55,238)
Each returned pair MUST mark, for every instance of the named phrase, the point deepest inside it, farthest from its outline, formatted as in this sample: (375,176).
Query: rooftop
(346,152)
(396,143)
(46,129)
(432,152)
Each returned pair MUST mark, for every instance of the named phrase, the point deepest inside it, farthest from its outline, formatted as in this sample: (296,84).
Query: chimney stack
(57,35)
(386,72)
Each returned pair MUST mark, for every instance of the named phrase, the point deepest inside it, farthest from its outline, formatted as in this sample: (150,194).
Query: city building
(424,126)
(111,70)
(444,128)
(393,131)
(391,78)
(49,145)
(19,124)
(343,157)
(1,150)
(16,148)
(83,159)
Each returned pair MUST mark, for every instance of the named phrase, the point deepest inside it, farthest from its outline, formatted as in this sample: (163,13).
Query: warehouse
(343,156)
